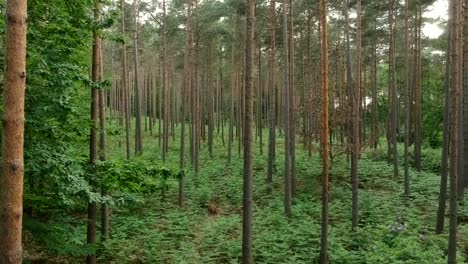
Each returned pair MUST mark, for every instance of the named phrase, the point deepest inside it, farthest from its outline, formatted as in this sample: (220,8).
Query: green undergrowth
(152,229)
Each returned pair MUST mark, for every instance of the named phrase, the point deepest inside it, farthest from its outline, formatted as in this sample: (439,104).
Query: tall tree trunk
(455,104)
(186,86)
(160,107)
(292,110)
(124,85)
(260,100)
(231,111)
(272,90)
(102,148)
(310,89)
(145,96)
(349,83)
(165,89)
(247,256)
(356,117)
(407,102)
(13,133)
(375,103)
(210,100)
(150,101)
(363,99)
(93,140)
(173,101)
(139,133)
(196,112)
(325,131)
(221,109)
(463,183)
(241,102)
(393,90)
(287,115)
(417,91)
(445,139)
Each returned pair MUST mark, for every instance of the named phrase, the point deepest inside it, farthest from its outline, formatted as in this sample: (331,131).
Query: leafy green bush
(62,239)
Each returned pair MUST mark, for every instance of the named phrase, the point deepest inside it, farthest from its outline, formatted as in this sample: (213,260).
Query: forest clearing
(234,131)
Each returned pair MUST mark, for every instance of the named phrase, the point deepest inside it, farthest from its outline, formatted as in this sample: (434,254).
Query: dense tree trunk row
(307,101)
(209,101)
(326,109)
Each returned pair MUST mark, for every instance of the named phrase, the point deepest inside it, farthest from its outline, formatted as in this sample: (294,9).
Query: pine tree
(356,118)
(138,131)
(272,90)
(93,141)
(407,103)
(456,75)
(287,114)
(247,256)
(445,141)
(124,82)
(463,180)
(103,147)
(185,88)
(165,86)
(393,90)
(417,88)
(13,133)
(325,130)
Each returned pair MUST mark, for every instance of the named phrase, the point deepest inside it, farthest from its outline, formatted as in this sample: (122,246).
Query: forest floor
(152,229)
